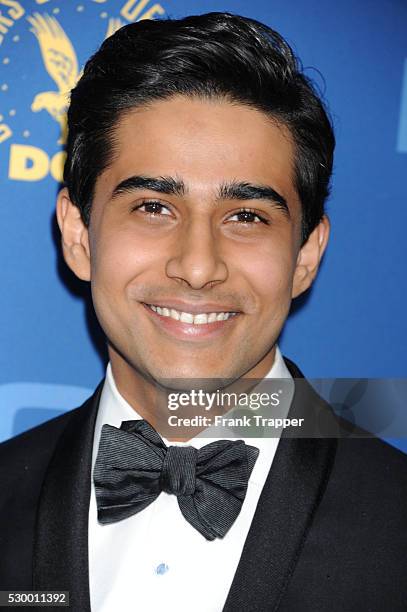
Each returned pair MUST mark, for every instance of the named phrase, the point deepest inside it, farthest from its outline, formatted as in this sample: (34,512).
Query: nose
(197,261)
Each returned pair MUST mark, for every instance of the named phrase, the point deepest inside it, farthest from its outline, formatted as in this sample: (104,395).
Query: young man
(199,160)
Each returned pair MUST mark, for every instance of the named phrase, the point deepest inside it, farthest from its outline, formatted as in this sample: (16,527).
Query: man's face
(167,229)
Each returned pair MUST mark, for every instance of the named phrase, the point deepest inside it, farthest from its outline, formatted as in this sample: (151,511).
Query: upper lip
(194,308)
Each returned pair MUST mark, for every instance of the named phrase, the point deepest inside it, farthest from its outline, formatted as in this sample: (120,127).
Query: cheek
(116,260)
(118,257)
(270,272)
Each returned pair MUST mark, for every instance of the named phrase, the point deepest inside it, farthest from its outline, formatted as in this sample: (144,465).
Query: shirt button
(161,569)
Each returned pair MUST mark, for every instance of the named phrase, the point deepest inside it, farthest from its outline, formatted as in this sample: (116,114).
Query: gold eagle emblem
(61,63)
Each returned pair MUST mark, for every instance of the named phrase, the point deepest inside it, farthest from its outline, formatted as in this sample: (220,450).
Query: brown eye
(246,215)
(153,208)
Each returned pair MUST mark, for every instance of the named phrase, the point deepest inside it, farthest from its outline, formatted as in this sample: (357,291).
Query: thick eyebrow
(228,191)
(161,184)
(248,191)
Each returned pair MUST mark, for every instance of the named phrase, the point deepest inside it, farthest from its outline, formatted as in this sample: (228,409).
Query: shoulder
(358,451)
(30,446)
(24,462)
(31,451)
(373,469)
(354,552)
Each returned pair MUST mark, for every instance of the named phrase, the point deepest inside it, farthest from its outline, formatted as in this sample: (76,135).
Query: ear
(309,257)
(74,235)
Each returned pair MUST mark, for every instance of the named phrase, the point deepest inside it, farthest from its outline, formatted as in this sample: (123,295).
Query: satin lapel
(290,497)
(60,560)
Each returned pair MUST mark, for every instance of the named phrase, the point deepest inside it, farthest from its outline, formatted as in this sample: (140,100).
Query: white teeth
(174,314)
(186,317)
(200,319)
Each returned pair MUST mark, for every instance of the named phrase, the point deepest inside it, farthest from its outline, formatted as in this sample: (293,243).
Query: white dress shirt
(155,560)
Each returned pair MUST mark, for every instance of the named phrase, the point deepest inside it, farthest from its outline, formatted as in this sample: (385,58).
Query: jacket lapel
(60,560)
(290,497)
(289,500)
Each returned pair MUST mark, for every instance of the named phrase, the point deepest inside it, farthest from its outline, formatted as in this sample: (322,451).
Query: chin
(181,385)
(185,378)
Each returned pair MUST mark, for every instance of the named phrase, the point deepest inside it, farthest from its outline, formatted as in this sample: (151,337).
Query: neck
(151,400)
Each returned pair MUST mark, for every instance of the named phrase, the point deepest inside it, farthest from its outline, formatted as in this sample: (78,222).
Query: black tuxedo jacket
(329,533)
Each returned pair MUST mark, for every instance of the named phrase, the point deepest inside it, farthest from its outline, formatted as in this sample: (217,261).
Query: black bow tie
(134,465)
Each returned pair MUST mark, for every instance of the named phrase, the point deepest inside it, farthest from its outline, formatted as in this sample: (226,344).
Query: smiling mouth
(201,318)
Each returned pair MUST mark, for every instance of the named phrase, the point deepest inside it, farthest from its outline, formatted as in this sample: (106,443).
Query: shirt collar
(113,409)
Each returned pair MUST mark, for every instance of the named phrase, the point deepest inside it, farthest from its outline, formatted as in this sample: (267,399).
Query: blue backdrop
(351,324)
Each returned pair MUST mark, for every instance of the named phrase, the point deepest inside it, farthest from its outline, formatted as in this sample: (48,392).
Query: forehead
(204,142)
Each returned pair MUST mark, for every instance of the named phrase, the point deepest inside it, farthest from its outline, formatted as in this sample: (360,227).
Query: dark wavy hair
(216,55)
